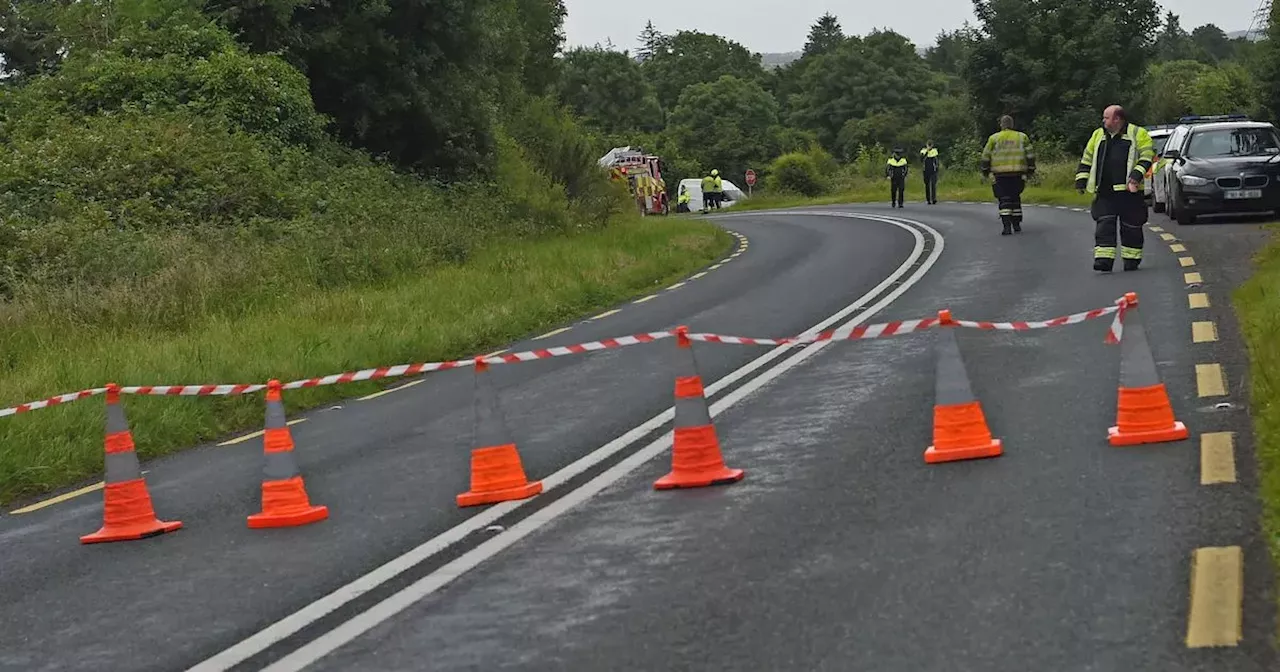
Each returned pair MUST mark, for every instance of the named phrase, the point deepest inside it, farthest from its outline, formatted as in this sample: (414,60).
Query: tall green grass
(506,289)
(1257,304)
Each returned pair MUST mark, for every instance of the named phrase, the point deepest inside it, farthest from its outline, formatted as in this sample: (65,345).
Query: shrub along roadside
(501,293)
(1257,304)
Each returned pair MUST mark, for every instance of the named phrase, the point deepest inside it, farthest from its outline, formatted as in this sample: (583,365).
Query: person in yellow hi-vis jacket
(1009,158)
(1113,168)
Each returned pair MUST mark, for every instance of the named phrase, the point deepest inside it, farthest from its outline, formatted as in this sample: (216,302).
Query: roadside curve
(389,467)
(842,549)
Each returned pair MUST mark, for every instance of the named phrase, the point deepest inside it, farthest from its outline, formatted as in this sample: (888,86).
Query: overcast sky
(782,25)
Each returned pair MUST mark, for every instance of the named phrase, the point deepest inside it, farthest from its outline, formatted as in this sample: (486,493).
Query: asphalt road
(840,550)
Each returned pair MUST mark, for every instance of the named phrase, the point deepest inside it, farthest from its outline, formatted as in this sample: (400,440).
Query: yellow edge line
(1217,592)
(647,298)
(60,498)
(601,316)
(1192,278)
(676,286)
(1203,332)
(1166,237)
(699,275)
(1210,381)
(715,267)
(1217,458)
(1198,300)
(549,334)
(1178,247)
(1156,228)
(495,352)
(256,434)
(1187,261)
(375,395)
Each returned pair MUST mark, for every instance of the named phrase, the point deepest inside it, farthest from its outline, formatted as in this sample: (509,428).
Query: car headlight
(1193,180)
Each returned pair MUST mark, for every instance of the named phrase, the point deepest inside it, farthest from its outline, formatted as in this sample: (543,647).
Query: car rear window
(1233,142)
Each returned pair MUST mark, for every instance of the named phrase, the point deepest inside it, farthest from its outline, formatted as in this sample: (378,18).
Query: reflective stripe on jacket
(1008,152)
(1141,154)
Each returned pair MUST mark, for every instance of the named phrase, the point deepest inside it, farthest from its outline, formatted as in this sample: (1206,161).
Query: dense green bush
(796,173)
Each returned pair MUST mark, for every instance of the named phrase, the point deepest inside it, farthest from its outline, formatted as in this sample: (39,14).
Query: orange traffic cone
(960,429)
(696,461)
(127,513)
(496,472)
(284,495)
(1143,411)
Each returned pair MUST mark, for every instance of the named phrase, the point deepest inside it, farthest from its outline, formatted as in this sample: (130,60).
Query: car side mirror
(1172,154)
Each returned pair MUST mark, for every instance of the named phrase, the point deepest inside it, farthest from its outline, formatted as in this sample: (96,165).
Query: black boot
(1103,265)
(1132,264)
(1008,227)
(1017,226)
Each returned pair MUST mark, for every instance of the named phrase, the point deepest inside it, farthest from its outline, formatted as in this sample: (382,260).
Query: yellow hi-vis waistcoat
(1141,154)
(1008,151)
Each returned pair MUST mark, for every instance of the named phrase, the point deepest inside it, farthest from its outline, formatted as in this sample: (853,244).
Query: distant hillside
(779,60)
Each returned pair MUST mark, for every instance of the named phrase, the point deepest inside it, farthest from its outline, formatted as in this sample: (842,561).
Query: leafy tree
(693,57)
(28,41)
(881,73)
(826,35)
(1057,63)
(1173,43)
(1167,94)
(1214,44)
(729,124)
(951,50)
(608,90)
(1225,89)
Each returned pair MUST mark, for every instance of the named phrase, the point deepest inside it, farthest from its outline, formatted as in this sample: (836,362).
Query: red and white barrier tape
(864,332)
(52,401)
(1113,334)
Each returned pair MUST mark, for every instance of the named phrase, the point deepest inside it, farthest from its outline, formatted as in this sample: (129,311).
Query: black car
(1219,168)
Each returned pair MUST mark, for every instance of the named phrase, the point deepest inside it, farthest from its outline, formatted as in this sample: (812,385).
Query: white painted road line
(352,628)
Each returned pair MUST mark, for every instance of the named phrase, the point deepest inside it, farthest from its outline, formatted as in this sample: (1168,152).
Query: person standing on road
(1113,167)
(708,186)
(1009,158)
(929,157)
(895,170)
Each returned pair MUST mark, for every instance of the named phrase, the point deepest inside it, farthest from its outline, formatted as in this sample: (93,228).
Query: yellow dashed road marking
(1204,332)
(1166,237)
(1217,591)
(676,286)
(1157,228)
(549,334)
(1198,300)
(56,500)
(1217,458)
(260,432)
(603,315)
(1210,381)
(1192,278)
(1178,247)
(406,386)
(697,275)
(647,298)
(716,266)
(1187,261)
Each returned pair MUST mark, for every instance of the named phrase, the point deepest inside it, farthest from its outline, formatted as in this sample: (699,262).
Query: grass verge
(502,293)
(1053,186)
(1257,304)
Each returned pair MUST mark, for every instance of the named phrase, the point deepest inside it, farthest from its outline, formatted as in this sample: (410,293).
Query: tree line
(705,101)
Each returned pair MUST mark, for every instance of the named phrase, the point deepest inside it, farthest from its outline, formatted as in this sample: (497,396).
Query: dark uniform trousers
(1008,189)
(1118,215)
(897,188)
(930,185)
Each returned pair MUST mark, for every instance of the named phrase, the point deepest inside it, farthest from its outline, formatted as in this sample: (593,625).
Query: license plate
(1243,193)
